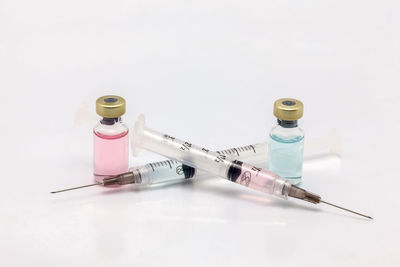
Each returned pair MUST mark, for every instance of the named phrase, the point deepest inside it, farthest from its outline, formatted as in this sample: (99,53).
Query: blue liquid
(286,157)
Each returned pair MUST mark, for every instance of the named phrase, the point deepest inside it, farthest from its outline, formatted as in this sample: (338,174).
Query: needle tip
(352,211)
(73,188)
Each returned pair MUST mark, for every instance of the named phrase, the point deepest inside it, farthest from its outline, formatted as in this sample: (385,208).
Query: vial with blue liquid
(286,143)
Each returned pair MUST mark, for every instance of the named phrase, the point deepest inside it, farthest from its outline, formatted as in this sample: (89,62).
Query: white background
(208,72)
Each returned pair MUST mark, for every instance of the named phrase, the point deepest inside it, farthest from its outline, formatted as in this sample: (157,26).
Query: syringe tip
(339,207)
(73,188)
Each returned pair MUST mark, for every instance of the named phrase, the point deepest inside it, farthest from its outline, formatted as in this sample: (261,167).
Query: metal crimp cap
(110,106)
(288,109)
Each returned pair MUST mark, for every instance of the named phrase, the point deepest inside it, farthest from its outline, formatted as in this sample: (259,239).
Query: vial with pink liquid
(111,139)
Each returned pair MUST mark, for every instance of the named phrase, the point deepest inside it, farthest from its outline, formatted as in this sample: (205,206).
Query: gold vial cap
(288,109)
(110,106)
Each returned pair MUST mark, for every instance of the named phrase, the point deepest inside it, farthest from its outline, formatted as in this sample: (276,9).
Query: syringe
(220,165)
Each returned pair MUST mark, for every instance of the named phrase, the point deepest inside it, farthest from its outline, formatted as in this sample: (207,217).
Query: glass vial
(111,139)
(286,143)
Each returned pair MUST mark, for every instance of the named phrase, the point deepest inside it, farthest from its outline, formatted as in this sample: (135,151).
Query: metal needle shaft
(336,206)
(73,188)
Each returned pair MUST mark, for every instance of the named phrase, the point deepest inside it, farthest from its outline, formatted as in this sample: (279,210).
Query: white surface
(206,71)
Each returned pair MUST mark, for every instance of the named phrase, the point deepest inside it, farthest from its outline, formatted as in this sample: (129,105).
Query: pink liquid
(257,178)
(111,154)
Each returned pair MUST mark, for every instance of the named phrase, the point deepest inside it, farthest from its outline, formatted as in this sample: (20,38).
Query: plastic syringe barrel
(173,171)
(212,162)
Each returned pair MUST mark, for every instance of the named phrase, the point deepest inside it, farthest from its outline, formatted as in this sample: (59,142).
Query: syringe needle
(336,206)
(73,188)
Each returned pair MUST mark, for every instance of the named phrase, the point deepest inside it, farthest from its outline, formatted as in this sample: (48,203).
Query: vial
(286,144)
(110,138)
